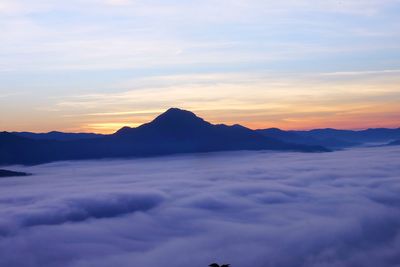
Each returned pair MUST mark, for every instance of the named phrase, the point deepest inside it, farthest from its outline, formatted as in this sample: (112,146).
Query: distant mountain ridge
(362,136)
(333,138)
(58,136)
(175,131)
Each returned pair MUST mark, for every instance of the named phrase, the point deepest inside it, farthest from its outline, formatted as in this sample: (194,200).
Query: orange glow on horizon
(110,128)
(353,122)
(372,116)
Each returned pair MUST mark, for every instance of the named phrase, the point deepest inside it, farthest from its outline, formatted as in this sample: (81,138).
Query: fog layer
(250,209)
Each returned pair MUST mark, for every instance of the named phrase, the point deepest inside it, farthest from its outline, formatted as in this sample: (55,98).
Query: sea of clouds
(250,209)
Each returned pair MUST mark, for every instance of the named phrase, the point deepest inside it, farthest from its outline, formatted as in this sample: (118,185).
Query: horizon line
(185,110)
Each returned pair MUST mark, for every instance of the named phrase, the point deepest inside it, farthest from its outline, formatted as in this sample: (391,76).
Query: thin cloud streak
(356,73)
(271,103)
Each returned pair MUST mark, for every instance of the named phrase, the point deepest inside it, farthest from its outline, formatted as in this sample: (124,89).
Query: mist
(249,209)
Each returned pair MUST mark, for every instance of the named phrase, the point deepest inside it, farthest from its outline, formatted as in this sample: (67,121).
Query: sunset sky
(98,65)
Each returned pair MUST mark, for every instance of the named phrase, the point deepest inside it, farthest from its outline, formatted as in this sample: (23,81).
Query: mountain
(182,131)
(364,136)
(333,138)
(20,150)
(58,136)
(7,173)
(175,131)
(306,139)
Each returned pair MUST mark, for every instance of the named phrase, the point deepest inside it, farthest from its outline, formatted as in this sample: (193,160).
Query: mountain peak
(178,117)
(177,112)
(173,121)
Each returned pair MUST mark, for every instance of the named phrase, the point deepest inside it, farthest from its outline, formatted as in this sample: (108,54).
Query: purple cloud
(250,209)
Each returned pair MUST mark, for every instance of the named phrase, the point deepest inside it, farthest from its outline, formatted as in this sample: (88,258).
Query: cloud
(161,34)
(246,208)
(65,209)
(288,101)
(67,48)
(357,73)
(118,2)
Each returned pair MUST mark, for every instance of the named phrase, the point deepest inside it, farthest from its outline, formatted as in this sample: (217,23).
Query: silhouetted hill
(333,138)
(20,150)
(7,173)
(182,131)
(305,139)
(363,136)
(175,131)
(174,122)
(59,136)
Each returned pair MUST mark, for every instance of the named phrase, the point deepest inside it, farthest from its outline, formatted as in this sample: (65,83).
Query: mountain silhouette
(57,136)
(305,138)
(363,136)
(173,123)
(333,138)
(175,131)
(181,131)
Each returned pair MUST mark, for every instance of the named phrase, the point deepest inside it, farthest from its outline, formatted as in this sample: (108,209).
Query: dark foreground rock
(7,173)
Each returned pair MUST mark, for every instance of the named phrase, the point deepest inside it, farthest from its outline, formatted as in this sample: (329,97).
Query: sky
(253,209)
(98,65)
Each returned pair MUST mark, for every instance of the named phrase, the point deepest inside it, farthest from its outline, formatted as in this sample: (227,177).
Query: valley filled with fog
(249,209)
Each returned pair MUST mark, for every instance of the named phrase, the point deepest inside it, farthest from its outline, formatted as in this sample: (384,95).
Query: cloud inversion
(251,209)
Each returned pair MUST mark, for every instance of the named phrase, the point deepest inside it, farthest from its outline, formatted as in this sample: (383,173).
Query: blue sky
(96,65)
